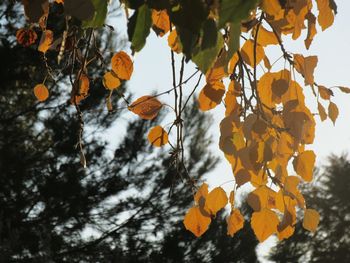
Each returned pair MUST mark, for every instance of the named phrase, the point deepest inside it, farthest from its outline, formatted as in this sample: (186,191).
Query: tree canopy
(267,125)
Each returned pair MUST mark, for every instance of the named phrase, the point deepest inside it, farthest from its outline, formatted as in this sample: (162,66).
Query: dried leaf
(45,41)
(321,112)
(304,165)
(161,22)
(333,112)
(111,81)
(147,107)
(325,16)
(26,37)
(247,52)
(211,95)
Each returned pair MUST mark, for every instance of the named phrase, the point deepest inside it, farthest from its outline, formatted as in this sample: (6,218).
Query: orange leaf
(325,93)
(304,165)
(111,81)
(211,95)
(41,92)
(311,29)
(266,37)
(215,200)
(45,41)
(232,198)
(158,136)
(311,220)
(202,192)
(264,224)
(196,222)
(122,65)
(174,42)
(344,89)
(306,66)
(273,8)
(333,112)
(147,107)
(247,52)
(325,16)
(161,22)
(235,222)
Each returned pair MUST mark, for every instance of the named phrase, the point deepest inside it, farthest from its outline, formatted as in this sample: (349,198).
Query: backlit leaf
(235,222)
(41,92)
(147,107)
(321,111)
(304,164)
(202,192)
(325,16)
(157,136)
(111,81)
(264,223)
(216,200)
(122,65)
(196,222)
(306,66)
(234,11)
(211,95)
(247,52)
(45,41)
(99,16)
(161,22)
(311,220)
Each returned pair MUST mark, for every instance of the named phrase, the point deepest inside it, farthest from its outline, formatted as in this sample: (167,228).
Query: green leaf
(99,16)
(205,59)
(210,34)
(233,43)
(139,26)
(234,11)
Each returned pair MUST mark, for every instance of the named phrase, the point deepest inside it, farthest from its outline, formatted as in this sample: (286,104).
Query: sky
(152,72)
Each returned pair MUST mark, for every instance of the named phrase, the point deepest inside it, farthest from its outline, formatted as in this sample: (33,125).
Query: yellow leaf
(174,42)
(110,81)
(147,107)
(41,92)
(333,112)
(266,37)
(235,222)
(45,41)
(311,29)
(211,95)
(304,165)
(196,222)
(215,200)
(264,224)
(161,22)
(321,111)
(306,66)
(122,65)
(262,197)
(247,52)
(157,136)
(272,8)
(242,177)
(202,192)
(84,84)
(232,198)
(325,16)
(311,220)
(285,233)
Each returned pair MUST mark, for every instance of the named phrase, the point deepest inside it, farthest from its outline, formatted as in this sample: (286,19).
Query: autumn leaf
(247,52)
(111,81)
(122,65)
(161,22)
(333,112)
(174,42)
(45,41)
(306,66)
(235,222)
(311,220)
(325,16)
(157,136)
(147,107)
(26,37)
(266,37)
(196,222)
(264,224)
(216,200)
(304,165)
(41,92)
(202,192)
(321,111)
(325,93)
(211,95)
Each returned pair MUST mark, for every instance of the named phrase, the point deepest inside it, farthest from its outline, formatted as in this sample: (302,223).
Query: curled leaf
(45,41)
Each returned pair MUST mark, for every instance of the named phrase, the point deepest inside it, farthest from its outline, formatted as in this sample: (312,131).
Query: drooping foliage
(267,125)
